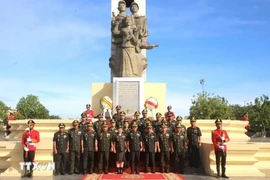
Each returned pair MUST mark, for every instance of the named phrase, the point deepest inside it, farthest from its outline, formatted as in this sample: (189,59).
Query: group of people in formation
(126,143)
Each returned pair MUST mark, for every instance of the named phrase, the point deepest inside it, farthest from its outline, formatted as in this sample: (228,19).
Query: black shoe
(99,172)
(218,176)
(63,173)
(77,172)
(70,173)
(56,173)
(30,175)
(137,172)
(167,170)
(146,170)
(121,170)
(84,173)
(162,170)
(106,172)
(91,171)
(132,173)
(153,171)
(224,176)
(118,170)
(24,176)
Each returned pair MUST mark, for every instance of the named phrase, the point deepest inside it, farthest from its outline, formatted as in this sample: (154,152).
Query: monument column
(142,12)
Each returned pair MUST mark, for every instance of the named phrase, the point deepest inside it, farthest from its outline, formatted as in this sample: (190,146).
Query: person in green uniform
(171,123)
(178,145)
(120,149)
(144,120)
(83,123)
(126,131)
(150,146)
(157,123)
(194,143)
(75,135)
(126,128)
(137,120)
(98,124)
(60,149)
(121,120)
(179,120)
(164,139)
(116,116)
(113,131)
(157,129)
(89,143)
(134,146)
(83,128)
(104,139)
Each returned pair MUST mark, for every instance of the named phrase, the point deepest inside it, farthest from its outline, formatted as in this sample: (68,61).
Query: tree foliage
(31,108)
(3,110)
(259,113)
(209,106)
(55,117)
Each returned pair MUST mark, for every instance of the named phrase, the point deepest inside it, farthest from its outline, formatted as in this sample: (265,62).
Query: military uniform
(98,124)
(179,121)
(220,138)
(144,120)
(171,123)
(178,145)
(75,137)
(113,131)
(117,115)
(89,140)
(134,143)
(29,139)
(60,140)
(157,124)
(83,125)
(169,108)
(126,131)
(150,140)
(121,120)
(138,122)
(164,145)
(120,147)
(104,143)
(193,134)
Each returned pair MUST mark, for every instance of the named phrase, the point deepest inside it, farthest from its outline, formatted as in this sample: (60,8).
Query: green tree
(31,108)
(55,117)
(259,114)
(238,111)
(3,111)
(18,116)
(209,106)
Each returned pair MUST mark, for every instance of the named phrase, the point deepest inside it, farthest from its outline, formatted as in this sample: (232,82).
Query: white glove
(223,138)
(29,139)
(26,149)
(221,147)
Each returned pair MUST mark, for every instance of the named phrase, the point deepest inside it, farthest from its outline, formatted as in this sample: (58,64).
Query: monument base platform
(245,158)
(156,90)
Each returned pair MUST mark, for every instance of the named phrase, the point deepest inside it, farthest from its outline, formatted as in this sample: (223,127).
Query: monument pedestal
(126,94)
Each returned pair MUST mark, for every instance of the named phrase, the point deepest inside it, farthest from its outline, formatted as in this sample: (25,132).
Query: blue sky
(56,49)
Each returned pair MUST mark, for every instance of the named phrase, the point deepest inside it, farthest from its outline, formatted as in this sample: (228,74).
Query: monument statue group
(129,36)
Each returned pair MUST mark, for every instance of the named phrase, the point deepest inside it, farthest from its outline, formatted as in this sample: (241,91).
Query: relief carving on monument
(129,35)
